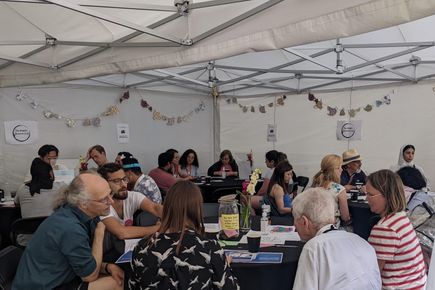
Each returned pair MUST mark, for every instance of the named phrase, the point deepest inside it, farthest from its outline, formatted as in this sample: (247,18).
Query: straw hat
(350,155)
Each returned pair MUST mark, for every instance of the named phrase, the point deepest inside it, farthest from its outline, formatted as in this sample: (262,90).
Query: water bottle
(224,173)
(264,221)
(7,192)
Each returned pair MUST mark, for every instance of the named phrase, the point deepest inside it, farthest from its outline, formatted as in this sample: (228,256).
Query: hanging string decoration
(261,108)
(332,111)
(171,120)
(70,122)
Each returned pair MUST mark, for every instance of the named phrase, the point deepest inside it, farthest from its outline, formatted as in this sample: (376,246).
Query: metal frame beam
(120,40)
(310,59)
(278,66)
(158,78)
(236,20)
(266,70)
(20,60)
(114,20)
(212,3)
(30,53)
(178,76)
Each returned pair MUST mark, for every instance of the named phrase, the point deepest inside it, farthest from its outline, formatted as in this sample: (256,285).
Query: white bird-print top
(201,264)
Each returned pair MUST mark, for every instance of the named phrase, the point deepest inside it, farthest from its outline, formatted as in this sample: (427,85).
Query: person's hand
(116,273)
(348,187)
(229,259)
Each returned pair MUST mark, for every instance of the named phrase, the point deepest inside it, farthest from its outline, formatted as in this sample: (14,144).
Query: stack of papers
(275,235)
(240,256)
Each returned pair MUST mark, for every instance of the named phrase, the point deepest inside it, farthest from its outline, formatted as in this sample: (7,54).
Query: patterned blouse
(200,265)
(149,188)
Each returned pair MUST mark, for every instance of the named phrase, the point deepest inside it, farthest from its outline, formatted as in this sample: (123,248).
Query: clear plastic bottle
(224,173)
(264,221)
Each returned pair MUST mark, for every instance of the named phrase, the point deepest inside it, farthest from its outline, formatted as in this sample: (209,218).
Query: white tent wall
(148,137)
(306,134)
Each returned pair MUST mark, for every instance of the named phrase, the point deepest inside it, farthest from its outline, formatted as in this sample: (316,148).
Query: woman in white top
(329,178)
(406,158)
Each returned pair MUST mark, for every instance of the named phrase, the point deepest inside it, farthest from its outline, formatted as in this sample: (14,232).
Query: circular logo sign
(348,130)
(21,133)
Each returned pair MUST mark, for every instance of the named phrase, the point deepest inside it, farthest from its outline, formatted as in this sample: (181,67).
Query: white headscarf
(402,163)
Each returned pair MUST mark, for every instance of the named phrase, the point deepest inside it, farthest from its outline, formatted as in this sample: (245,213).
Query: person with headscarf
(406,158)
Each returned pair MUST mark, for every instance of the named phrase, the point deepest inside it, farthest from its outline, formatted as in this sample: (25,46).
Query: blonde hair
(327,171)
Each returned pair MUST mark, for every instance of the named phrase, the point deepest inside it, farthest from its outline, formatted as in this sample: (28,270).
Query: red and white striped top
(395,242)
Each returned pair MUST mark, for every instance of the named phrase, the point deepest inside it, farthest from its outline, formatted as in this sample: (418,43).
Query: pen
(286,246)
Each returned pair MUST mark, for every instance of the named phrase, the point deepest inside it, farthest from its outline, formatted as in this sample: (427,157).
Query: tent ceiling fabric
(60,40)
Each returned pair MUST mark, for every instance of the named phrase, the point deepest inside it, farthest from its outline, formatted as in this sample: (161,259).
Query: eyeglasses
(118,181)
(107,200)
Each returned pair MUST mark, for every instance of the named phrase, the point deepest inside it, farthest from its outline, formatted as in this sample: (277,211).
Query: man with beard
(119,221)
(66,250)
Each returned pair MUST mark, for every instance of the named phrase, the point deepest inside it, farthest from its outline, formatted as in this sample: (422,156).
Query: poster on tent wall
(271,133)
(349,130)
(21,132)
(123,133)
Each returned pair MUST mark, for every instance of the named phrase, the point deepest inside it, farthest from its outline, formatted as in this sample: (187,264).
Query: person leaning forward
(66,250)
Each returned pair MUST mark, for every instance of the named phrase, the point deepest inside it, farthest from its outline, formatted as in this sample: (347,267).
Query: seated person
(178,256)
(139,182)
(331,258)
(225,167)
(328,178)
(161,174)
(39,202)
(175,162)
(62,252)
(119,221)
(189,167)
(98,154)
(406,158)
(41,169)
(352,173)
(414,186)
(396,244)
(278,196)
(121,156)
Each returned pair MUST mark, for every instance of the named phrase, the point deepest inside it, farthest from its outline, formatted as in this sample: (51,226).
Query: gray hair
(317,204)
(74,193)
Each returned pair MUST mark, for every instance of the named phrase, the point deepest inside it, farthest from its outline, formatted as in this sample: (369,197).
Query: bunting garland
(280,101)
(70,122)
(171,120)
(332,111)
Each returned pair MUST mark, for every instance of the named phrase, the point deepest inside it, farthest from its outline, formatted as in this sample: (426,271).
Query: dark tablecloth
(363,219)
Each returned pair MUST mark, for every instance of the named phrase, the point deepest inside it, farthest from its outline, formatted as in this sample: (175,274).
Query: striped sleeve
(385,241)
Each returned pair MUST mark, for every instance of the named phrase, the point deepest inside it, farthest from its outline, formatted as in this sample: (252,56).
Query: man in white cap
(331,258)
(352,175)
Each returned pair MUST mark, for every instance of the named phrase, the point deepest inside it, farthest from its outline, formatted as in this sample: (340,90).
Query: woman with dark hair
(277,195)
(397,247)
(406,158)
(42,169)
(178,256)
(189,166)
(225,167)
(175,162)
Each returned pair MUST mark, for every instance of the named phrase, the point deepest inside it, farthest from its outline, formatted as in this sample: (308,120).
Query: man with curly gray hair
(331,258)
(62,253)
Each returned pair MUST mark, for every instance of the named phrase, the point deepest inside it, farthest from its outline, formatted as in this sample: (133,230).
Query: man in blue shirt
(62,252)
(352,176)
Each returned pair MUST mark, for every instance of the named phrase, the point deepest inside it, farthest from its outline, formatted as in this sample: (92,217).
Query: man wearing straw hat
(352,175)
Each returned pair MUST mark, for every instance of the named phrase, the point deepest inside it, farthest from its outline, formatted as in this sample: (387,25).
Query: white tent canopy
(57,40)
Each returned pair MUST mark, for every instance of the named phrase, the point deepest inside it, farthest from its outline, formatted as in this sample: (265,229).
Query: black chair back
(302,182)
(218,193)
(9,259)
(25,226)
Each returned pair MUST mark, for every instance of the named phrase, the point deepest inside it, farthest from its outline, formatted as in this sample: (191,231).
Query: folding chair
(9,259)
(25,226)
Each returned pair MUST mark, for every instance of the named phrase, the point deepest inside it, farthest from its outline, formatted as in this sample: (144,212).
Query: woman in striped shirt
(397,247)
